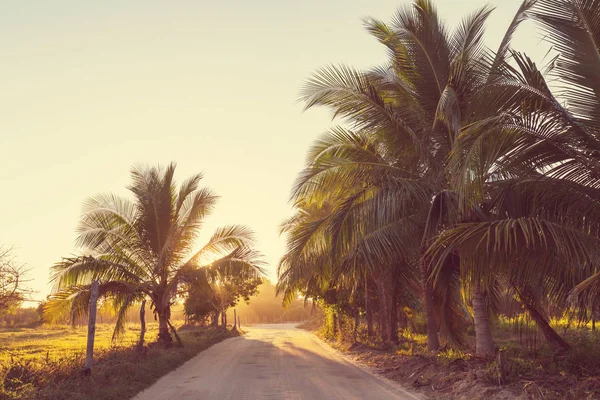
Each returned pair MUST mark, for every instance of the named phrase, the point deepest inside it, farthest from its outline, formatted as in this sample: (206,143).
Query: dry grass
(61,340)
(46,363)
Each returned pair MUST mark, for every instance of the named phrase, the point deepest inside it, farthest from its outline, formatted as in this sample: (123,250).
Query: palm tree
(414,109)
(145,248)
(536,174)
(469,150)
(329,236)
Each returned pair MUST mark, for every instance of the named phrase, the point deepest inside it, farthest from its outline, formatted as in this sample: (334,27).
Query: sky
(91,89)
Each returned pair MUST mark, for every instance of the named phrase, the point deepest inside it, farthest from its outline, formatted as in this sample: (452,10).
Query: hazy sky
(91,88)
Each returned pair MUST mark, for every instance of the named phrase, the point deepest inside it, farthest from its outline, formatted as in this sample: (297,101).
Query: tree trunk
(542,322)
(393,319)
(368,308)
(177,338)
(140,345)
(402,319)
(164,337)
(484,342)
(433,340)
(215,320)
(356,323)
(384,314)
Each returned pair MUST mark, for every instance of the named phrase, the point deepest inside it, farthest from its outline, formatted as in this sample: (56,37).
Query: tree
(218,287)
(12,279)
(145,248)
(467,149)
(407,117)
(539,176)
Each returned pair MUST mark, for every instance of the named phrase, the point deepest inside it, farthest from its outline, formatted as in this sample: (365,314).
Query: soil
(472,379)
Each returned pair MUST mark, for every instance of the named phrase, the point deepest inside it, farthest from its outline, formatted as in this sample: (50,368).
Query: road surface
(276,362)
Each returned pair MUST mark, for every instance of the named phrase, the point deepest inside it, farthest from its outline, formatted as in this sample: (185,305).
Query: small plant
(446,356)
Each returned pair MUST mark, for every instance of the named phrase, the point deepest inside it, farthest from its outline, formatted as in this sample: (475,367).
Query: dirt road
(276,362)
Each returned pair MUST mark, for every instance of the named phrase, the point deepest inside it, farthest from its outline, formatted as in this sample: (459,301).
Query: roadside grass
(54,341)
(46,363)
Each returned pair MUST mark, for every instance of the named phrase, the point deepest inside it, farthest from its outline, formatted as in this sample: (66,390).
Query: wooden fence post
(89,354)
(239,322)
(234,319)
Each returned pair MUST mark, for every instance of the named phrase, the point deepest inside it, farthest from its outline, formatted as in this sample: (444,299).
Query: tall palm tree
(146,247)
(435,86)
(536,173)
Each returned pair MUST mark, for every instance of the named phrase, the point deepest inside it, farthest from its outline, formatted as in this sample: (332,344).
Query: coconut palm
(146,247)
(329,236)
(537,175)
(436,85)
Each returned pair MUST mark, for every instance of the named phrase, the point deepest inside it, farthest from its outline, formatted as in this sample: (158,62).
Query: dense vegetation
(462,189)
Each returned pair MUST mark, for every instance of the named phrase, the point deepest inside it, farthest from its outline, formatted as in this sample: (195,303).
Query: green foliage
(219,292)
(199,305)
(328,329)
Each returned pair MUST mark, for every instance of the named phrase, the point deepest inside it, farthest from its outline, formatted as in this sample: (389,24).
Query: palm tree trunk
(484,342)
(393,319)
(542,322)
(334,325)
(140,345)
(383,312)
(433,340)
(549,333)
(402,319)
(177,338)
(164,337)
(368,308)
(356,323)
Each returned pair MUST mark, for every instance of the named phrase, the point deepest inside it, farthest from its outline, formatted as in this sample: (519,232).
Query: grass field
(62,341)
(46,363)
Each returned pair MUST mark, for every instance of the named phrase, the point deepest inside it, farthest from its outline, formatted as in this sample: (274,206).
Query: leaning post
(87,368)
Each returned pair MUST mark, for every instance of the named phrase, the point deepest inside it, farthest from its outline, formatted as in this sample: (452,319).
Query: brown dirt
(474,379)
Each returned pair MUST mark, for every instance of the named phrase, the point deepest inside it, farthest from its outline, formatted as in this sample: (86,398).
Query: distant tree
(217,288)
(12,290)
(229,292)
